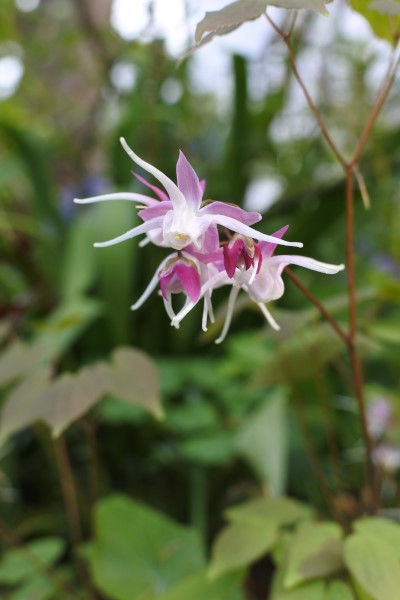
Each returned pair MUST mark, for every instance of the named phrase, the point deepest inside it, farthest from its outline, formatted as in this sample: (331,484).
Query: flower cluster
(176,217)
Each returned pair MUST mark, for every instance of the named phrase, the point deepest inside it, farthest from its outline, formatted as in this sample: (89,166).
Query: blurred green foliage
(235,417)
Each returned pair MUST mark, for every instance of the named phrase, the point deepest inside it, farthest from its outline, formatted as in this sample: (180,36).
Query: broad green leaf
(388,531)
(263,440)
(16,565)
(281,511)
(15,360)
(134,378)
(382,25)
(199,587)
(374,565)
(138,552)
(233,15)
(116,265)
(240,544)
(37,588)
(22,405)
(80,258)
(311,590)
(339,590)
(314,551)
(131,377)
(71,396)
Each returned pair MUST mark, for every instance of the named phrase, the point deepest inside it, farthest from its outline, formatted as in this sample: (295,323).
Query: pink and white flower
(180,219)
(263,283)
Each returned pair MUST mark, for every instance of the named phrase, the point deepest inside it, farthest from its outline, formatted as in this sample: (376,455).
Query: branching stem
(351,171)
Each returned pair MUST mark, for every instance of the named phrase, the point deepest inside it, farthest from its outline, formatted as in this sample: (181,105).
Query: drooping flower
(181,272)
(181,219)
(263,284)
(201,262)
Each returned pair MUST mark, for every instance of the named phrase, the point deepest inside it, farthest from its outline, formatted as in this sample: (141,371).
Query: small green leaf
(315,551)
(138,552)
(21,407)
(281,511)
(16,565)
(383,25)
(199,587)
(388,531)
(15,360)
(229,18)
(134,378)
(71,396)
(339,590)
(240,544)
(311,590)
(80,258)
(373,564)
(263,440)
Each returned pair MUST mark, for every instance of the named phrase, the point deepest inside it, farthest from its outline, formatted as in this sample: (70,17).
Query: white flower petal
(118,196)
(268,316)
(308,263)
(176,196)
(153,224)
(229,313)
(239,227)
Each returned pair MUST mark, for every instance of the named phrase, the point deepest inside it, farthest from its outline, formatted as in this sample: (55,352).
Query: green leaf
(21,407)
(134,379)
(80,258)
(37,588)
(388,531)
(240,544)
(131,376)
(16,565)
(311,590)
(233,15)
(15,360)
(199,587)
(281,511)
(382,25)
(373,564)
(138,552)
(71,396)
(315,551)
(212,448)
(263,440)
(339,590)
(116,265)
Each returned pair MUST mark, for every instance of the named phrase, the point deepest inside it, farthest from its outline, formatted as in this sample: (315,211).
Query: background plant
(99,461)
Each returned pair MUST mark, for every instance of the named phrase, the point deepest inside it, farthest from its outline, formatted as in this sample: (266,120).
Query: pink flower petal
(267,249)
(174,193)
(232,211)
(159,210)
(180,277)
(232,253)
(162,195)
(188,182)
